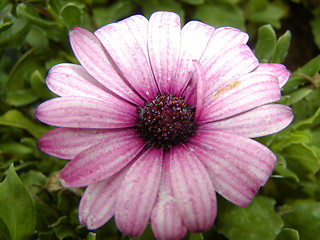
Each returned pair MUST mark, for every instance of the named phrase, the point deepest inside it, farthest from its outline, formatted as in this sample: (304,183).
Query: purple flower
(156,119)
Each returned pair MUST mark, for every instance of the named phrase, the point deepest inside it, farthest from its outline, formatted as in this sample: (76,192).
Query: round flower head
(157,118)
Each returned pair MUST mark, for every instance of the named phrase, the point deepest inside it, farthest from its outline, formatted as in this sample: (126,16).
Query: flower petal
(166,221)
(279,70)
(228,65)
(164,47)
(138,193)
(131,55)
(98,202)
(66,143)
(224,68)
(193,190)
(258,122)
(223,37)
(193,34)
(245,93)
(81,112)
(201,88)
(101,160)
(73,80)
(239,165)
(94,58)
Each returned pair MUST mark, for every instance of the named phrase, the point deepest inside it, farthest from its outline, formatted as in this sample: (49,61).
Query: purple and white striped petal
(98,203)
(81,112)
(222,38)
(138,193)
(192,189)
(245,93)
(66,143)
(94,58)
(166,221)
(164,48)
(225,67)
(228,65)
(199,78)
(258,122)
(67,79)
(238,165)
(193,34)
(131,55)
(101,161)
(279,70)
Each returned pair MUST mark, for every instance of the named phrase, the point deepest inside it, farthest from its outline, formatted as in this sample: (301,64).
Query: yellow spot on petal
(230,86)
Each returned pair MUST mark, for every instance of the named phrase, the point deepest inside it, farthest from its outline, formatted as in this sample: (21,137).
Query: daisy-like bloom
(156,119)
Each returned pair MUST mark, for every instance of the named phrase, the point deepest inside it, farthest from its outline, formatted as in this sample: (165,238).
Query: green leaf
(196,236)
(113,13)
(193,2)
(150,7)
(296,96)
(23,68)
(288,234)
(16,207)
(71,15)
(282,48)
(250,223)
(301,158)
(271,14)
(14,148)
(220,14)
(30,14)
(303,74)
(5,26)
(266,43)
(281,169)
(308,123)
(14,118)
(3,3)
(310,68)
(39,86)
(305,218)
(21,97)
(91,236)
(315,23)
(287,139)
(13,35)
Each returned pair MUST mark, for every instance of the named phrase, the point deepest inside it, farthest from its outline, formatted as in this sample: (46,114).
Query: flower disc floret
(166,121)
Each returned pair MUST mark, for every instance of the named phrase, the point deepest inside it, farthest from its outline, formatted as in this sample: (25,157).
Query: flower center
(165,121)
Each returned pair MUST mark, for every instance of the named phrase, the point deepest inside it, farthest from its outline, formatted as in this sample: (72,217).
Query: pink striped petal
(245,93)
(228,65)
(94,58)
(131,55)
(138,192)
(224,37)
(73,80)
(192,189)
(98,202)
(101,161)
(164,47)
(239,165)
(224,68)
(279,70)
(81,112)
(166,221)
(201,88)
(193,34)
(258,122)
(66,143)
